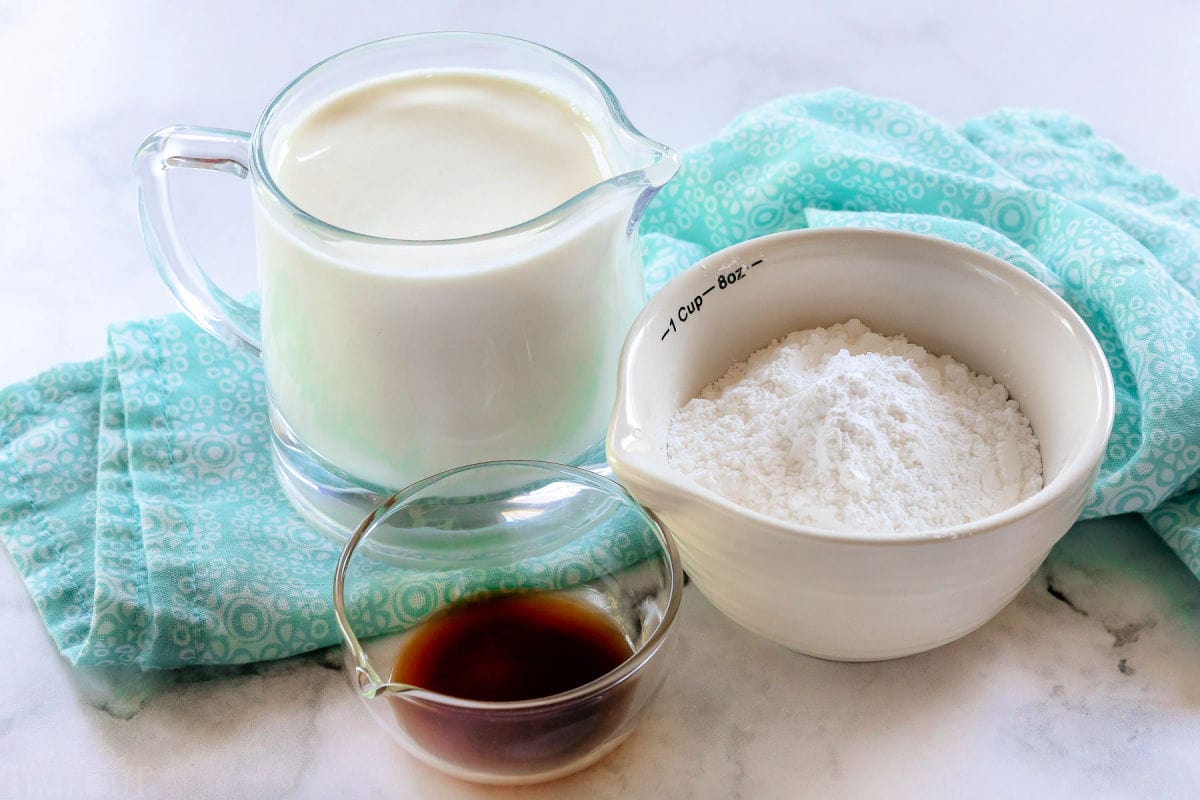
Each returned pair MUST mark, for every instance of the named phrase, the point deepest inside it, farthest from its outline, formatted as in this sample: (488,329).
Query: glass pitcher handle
(194,148)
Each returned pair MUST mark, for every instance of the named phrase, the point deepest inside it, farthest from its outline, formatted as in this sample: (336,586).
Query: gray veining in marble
(1090,689)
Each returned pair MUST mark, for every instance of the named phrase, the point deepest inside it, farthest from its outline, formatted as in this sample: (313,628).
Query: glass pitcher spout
(661,164)
(641,165)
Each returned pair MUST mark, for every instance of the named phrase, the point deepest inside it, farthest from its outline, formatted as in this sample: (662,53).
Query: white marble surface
(1093,693)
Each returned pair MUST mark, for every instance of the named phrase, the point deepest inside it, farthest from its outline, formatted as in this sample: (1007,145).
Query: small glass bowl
(508,526)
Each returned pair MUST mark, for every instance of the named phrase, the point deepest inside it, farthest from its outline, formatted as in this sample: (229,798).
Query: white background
(1034,702)
(82,85)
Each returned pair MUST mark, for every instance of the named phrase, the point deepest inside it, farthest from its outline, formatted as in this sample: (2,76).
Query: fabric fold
(137,496)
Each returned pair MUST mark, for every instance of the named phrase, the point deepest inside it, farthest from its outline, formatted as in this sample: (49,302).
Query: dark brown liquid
(515,646)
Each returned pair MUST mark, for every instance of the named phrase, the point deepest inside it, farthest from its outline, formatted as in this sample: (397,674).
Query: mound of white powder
(843,429)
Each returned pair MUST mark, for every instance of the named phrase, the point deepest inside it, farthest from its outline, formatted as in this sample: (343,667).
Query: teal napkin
(138,501)
(136,493)
(1037,189)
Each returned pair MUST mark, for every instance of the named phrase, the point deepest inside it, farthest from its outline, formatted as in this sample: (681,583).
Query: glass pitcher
(388,360)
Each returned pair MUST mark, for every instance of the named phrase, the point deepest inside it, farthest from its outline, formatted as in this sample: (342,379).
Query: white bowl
(861,596)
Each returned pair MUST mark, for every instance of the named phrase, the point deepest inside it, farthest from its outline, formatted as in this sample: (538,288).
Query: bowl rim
(367,681)
(637,468)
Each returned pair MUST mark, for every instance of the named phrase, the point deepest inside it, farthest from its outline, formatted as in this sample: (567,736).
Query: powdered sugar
(844,429)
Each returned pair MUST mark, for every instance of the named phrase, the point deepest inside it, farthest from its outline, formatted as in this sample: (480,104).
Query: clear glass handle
(195,148)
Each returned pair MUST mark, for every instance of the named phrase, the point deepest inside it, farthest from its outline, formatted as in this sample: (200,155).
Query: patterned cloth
(136,493)
(1037,189)
(138,500)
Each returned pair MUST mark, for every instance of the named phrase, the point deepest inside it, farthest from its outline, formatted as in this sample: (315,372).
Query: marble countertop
(1087,685)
